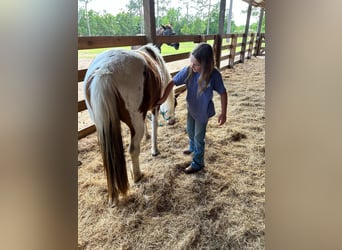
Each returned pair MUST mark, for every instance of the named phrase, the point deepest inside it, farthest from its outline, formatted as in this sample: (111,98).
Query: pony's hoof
(112,203)
(138,178)
(156,153)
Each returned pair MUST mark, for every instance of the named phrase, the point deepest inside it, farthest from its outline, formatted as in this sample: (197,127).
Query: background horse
(122,85)
(164,30)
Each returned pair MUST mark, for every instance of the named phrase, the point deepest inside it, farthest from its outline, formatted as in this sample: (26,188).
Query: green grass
(166,50)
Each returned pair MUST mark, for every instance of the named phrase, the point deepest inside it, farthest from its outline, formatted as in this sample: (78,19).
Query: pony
(123,85)
(164,30)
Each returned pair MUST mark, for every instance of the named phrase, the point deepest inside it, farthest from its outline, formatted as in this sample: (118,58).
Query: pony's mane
(152,50)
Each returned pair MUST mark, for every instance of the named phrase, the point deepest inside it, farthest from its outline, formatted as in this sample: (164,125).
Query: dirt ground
(220,207)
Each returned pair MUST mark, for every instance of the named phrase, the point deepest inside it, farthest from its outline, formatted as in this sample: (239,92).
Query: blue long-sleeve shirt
(200,106)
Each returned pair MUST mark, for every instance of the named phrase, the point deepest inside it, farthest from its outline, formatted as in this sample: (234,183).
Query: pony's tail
(107,122)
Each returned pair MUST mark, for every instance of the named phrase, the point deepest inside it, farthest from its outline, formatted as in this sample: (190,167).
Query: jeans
(196,132)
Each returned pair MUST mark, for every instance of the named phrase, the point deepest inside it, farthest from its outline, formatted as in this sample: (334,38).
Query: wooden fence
(226,55)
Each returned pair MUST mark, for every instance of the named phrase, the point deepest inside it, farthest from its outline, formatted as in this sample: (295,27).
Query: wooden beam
(218,38)
(244,39)
(229,18)
(109,41)
(261,16)
(221,17)
(82,105)
(187,38)
(81,74)
(150,21)
(256,3)
(87,131)
(217,50)
(258,38)
(176,57)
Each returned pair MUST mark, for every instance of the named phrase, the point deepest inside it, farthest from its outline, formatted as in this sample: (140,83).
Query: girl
(201,78)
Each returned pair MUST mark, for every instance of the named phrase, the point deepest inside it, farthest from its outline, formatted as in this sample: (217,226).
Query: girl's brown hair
(205,56)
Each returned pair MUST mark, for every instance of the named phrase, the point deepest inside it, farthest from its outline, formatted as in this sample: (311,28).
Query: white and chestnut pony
(123,85)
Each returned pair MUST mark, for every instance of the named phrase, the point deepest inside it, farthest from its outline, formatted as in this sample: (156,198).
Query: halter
(163,115)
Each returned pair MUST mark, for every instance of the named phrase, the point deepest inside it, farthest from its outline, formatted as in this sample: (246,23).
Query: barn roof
(256,3)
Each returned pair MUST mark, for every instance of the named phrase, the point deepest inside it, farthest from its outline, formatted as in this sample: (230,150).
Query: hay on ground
(221,207)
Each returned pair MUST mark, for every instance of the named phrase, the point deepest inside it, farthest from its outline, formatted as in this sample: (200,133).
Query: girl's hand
(222,119)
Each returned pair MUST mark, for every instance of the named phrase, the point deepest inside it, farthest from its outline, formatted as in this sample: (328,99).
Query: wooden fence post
(250,46)
(259,41)
(262,49)
(203,39)
(257,45)
(217,50)
(258,35)
(232,51)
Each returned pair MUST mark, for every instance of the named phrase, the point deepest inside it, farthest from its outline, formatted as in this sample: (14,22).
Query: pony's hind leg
(154,148)
(147,134)
(134,151)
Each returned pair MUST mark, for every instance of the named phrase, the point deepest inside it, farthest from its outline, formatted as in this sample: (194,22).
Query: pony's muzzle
(171,121)
(176,46)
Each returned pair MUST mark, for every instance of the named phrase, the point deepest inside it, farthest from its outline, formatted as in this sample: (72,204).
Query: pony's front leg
(154,148)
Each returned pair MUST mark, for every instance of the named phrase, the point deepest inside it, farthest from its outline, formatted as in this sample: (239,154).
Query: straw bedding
(221,207)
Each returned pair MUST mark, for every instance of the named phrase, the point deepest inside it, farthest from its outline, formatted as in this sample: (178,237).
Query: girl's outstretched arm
(223,116)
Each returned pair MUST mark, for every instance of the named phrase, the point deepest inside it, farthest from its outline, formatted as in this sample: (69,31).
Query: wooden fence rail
(225,54)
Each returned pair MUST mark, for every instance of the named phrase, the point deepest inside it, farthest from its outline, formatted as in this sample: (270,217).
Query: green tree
(198,26)
(172,16)
(135,7)
(161,9)
(82,22)
(253,27)
(127,24)
(185,30)
(130,22)
(86,14)
(214,19)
